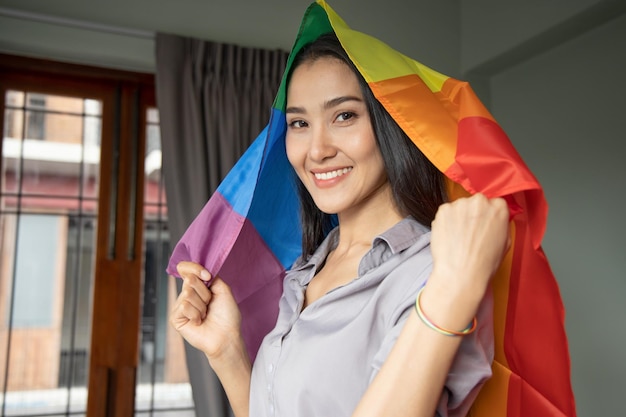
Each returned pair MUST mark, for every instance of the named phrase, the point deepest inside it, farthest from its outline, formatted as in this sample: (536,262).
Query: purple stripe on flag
(230,247)
(210,237)
(251,265)
(255,276)
(259,313)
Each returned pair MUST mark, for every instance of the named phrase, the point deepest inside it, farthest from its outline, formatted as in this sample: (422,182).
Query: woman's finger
(186,268)
(195,293)
(183,313)
(197,277)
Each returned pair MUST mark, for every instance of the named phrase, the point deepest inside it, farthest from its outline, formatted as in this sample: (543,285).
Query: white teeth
(332,174)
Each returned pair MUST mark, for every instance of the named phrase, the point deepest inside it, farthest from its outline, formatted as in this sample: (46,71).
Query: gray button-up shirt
(319,361)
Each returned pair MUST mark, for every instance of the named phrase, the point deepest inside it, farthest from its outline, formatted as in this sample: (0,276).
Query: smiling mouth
(331,174)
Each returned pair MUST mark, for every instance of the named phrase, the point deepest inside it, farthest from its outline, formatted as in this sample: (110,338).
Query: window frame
(116,314)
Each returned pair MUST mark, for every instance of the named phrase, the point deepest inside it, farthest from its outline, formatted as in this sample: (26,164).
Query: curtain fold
(213,100)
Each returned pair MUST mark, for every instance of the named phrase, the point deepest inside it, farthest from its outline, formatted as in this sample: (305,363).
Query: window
(83,243)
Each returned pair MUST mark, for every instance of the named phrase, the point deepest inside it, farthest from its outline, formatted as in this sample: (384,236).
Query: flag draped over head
(249,231)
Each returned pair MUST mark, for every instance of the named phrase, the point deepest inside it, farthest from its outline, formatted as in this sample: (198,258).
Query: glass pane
(154,138)
(54,103)
(29,204)
(163,384)
(50,168)
(76,325)
(154,191)
(12,145)
(13,123)
(14,98)
(59,157)
(153,116)
(93,107)
(48,315)
(167,413)
(8,223)
(54,127)
(91,156)
(153,185)
(48,202)
(162,381)
(39,180)
(89,206)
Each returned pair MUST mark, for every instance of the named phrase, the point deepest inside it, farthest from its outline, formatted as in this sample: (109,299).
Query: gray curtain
(213,100)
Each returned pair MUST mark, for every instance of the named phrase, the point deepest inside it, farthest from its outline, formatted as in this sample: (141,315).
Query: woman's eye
(345,116)
(296,124)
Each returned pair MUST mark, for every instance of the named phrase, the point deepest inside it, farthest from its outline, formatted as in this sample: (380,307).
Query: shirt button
(269,388)
(271,409)
(270,368)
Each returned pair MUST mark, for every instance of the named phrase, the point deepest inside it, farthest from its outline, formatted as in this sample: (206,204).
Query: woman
(348,340)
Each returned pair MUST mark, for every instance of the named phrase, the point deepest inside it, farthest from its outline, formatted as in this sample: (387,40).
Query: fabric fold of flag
(248,233)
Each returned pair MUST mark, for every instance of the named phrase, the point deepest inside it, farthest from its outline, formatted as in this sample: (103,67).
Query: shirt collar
(394,240)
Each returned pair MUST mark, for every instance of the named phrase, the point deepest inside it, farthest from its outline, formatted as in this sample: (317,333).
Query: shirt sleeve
(471,367)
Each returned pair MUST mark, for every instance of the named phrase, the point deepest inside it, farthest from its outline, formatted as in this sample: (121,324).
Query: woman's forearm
(234,372)
(411,380)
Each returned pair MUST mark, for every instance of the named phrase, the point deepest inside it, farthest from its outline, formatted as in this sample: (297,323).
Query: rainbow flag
(249,232)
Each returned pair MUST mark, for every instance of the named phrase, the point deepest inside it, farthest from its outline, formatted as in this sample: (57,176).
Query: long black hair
(418,187)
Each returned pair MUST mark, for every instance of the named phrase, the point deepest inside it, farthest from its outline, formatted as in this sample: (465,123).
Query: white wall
(425,29)
(564,111)
(65,43)
(492,28)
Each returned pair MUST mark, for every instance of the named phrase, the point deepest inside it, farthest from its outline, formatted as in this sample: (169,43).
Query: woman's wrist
(231,354)
(233,368)
(450,306)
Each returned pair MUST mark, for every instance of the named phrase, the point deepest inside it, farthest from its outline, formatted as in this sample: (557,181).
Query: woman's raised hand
(469,238)
(208,318)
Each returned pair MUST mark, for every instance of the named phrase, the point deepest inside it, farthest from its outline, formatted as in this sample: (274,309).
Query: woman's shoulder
(403,240)
(408,260)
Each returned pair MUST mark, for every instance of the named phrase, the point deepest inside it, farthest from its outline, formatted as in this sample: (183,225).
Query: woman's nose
(321,146)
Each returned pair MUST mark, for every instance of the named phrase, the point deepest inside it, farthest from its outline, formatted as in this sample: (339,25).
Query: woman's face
(330,140)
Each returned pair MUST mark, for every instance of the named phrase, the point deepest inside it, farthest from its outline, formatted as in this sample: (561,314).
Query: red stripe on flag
(535,342)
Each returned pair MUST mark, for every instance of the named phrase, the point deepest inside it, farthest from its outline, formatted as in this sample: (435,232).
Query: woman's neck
(360,225)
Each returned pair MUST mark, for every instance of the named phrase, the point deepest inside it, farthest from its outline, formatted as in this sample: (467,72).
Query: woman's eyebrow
(327,104)
(340,100)
(296,110)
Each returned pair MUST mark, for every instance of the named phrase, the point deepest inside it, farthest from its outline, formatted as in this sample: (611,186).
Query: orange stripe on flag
(500,285)
(463,99)
(493,398)
(421,115)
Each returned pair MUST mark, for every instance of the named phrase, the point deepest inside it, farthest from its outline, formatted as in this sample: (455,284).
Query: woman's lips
(329,178)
